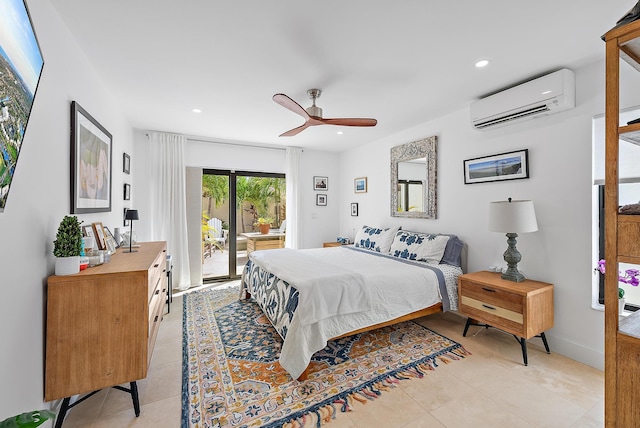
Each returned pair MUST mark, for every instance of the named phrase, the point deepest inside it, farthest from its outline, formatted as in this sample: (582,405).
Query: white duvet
(383,289)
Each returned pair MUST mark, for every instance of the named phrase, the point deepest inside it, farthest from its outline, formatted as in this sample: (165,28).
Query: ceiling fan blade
(350,121)
(289,104)
(295,131)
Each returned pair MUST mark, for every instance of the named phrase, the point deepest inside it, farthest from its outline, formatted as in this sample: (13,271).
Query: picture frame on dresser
(100,237)
(91,149)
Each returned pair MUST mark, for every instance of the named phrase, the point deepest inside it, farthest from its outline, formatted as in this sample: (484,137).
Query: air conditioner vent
(545,95)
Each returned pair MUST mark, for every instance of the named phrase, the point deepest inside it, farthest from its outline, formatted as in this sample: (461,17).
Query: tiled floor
(492,388)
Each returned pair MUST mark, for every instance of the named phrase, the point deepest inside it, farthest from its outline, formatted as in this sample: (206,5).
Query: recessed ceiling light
(196,110)
(546,92)
(482,63)
(340,132)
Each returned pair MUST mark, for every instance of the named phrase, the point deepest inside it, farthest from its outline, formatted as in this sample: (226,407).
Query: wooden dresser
(102,322)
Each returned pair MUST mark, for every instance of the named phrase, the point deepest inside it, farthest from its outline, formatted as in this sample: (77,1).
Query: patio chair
(217,235)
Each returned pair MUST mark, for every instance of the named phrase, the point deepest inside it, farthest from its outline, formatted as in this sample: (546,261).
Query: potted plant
(68,246)
(264,224)
(630,277)
(27,419)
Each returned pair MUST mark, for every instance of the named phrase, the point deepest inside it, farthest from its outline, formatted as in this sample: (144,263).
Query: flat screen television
(20,69)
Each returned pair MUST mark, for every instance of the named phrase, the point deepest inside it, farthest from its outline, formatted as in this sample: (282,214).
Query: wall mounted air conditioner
(542,96)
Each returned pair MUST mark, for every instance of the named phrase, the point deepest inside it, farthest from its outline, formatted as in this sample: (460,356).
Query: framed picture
(360,185)
(98,231)
(126,163)
(320,183)
(321,200)
(110,245)
(127,191)
(124,216)
(91,147)
(354,209)
(108,234)
(21,63)
(504,166)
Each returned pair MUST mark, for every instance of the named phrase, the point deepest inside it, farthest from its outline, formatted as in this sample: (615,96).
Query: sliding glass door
(232,204)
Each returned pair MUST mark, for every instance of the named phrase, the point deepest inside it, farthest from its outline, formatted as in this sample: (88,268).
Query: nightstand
(524,309)
(331,244)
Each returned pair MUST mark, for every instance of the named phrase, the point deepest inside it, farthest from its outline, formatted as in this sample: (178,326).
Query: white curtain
(168,216)
(292,173)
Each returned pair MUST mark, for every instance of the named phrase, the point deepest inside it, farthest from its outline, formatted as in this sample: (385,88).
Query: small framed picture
(87,231)
(111,245)
(360,185)
(127,191)
(108,234)
(124,216)
(321,200)
(98,231)
(126,163)
(320,183)
(354,209)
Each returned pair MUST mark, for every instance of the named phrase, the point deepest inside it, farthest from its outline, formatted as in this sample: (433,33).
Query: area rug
(231,375)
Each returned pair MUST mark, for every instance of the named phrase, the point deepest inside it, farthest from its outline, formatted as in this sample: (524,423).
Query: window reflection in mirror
(413,179)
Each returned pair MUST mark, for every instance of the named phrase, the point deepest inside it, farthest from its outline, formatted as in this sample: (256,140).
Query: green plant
(263,220)
(68,241)
(28,419)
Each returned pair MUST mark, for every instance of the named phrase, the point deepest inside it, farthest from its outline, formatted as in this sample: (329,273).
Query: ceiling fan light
(314,111)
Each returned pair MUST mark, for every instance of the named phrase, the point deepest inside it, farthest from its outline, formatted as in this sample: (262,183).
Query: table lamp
(131,215)
(512,217)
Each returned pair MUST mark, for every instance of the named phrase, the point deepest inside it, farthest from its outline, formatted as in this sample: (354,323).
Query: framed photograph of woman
(91,148)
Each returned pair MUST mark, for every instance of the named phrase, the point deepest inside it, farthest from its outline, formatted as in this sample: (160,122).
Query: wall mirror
(413,179)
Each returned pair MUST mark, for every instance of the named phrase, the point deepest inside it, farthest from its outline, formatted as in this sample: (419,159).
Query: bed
(388,276)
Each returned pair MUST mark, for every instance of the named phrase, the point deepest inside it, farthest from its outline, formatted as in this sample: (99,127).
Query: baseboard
(590,357)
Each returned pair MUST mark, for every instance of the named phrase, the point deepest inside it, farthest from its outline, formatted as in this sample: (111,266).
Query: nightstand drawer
(494,310)
(493,296)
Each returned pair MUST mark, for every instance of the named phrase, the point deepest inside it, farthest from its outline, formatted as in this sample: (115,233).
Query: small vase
(621,303)
(67,265)
(264,228)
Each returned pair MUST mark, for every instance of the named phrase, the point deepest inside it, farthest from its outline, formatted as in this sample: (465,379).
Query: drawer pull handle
(489,290)
(489,307)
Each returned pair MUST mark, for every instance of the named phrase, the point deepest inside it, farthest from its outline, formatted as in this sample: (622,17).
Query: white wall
(39,199)
(559,184)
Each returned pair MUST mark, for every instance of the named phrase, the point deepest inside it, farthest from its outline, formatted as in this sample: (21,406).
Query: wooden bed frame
(413,315)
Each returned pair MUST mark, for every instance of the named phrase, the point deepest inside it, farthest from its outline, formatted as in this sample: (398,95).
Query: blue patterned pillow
(375,239)
(420,247)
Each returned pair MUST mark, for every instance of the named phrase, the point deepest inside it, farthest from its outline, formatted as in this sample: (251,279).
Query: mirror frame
(425,148)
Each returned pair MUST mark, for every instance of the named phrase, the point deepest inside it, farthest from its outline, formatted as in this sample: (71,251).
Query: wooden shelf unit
(622,241)
(102,322)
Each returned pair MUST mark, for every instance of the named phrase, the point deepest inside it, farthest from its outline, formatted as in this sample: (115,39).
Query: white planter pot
(621,303)
(67,265)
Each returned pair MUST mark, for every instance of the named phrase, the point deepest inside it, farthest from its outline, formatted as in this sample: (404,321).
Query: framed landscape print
(504,166)
(21,65)
(91,147)
(360,185)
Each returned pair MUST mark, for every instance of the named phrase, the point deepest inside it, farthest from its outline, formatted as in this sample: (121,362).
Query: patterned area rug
(231,375)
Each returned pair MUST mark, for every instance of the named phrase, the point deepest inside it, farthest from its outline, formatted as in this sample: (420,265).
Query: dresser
(524,309)
(102,323)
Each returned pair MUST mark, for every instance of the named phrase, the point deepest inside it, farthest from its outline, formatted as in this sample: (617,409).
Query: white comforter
(389,289)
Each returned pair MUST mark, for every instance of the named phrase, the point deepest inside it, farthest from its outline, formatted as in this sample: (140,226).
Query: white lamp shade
(512,217)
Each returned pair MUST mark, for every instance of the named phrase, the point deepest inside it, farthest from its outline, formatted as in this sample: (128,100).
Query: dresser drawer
(157,272)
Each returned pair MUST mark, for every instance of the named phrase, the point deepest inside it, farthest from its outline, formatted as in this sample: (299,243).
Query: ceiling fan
(313,115)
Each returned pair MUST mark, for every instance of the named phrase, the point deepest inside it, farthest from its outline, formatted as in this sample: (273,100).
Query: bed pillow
(453,251)
(375,239)
(417,246)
